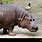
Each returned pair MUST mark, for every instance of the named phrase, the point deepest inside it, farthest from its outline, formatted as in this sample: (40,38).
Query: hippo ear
(19,18)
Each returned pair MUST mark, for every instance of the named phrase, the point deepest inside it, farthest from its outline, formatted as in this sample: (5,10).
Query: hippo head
(28,22)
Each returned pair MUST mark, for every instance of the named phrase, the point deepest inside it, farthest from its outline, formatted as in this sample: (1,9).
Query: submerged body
(11,15)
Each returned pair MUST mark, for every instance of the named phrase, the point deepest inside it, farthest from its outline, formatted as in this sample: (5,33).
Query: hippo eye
(30,19)
(33,19)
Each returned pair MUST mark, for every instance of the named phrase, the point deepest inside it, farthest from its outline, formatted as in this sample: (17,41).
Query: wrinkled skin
(12,15)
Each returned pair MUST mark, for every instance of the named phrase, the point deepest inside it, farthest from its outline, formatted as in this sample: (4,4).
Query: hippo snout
(35,28)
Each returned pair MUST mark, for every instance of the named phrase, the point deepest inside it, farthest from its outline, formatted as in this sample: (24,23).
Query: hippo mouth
(32,30)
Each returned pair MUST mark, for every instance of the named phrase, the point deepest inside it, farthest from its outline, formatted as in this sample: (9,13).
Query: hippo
(12,15)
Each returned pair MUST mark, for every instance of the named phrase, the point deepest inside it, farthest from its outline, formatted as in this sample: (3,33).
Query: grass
(8,1)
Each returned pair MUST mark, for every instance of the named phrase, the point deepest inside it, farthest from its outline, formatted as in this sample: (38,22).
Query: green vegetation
(7,1)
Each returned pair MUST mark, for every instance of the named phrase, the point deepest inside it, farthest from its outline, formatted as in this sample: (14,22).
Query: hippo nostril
(36,28)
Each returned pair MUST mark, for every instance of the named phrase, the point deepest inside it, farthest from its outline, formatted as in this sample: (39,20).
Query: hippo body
(10,16)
